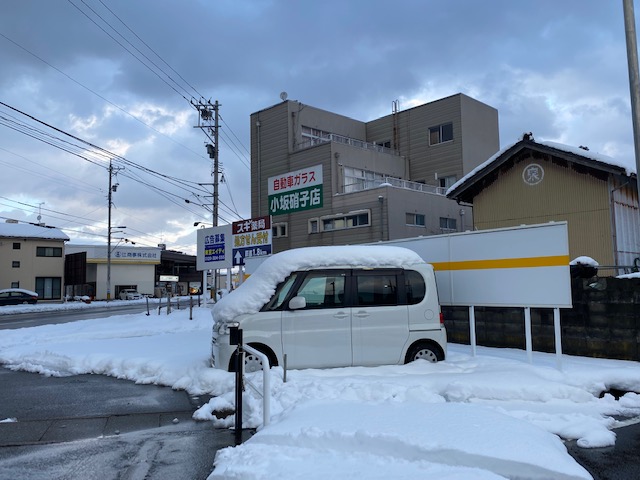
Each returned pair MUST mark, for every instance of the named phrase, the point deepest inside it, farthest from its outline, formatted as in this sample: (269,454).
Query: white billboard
(516,267)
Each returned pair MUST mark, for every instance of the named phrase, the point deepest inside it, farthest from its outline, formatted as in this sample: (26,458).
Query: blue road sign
(239,254)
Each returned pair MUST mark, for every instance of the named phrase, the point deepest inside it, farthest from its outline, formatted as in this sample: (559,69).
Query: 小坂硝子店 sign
(295,191)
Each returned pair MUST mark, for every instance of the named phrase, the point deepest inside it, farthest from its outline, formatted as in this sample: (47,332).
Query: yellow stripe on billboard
(526,262)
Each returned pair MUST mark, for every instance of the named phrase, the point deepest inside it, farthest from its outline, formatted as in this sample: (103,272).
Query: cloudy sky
(554,68)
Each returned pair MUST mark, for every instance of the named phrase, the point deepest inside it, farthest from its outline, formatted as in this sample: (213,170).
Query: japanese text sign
(295,191)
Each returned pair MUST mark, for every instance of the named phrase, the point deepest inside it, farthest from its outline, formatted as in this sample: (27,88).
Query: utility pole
(208,122)
(634,77)
(112,188)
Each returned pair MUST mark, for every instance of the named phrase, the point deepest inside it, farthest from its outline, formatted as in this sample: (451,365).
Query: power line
(100,96)
(79,184)
(179,183)
(232,145)
(129,51)
(147,45)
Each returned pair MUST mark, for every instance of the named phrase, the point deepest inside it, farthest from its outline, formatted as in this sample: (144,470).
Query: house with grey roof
(531,182)
(32,257)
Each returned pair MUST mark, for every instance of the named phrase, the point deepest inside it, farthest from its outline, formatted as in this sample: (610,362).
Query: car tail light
(441,319)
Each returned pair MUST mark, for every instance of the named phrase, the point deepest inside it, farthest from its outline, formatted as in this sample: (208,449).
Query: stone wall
(604,322)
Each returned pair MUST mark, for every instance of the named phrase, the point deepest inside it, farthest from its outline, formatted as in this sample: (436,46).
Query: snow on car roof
(21,290)
(259,287)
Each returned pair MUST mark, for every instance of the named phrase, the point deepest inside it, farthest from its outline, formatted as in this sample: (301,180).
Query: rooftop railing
(358,185)
(310,142)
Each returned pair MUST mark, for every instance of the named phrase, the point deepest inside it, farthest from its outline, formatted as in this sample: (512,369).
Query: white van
(334,307)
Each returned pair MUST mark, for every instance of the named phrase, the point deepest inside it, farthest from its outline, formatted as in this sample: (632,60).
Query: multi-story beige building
(329,179)
(32,257)
(533,182)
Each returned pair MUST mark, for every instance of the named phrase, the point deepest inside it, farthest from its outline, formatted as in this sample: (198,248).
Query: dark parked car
(17,296)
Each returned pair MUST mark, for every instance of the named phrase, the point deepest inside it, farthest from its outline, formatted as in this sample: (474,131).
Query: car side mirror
(296,303)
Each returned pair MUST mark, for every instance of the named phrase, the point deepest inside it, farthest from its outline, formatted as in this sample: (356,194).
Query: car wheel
(252,363)
(424,351)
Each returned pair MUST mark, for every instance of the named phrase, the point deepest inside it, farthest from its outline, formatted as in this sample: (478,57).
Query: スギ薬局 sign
(295,191)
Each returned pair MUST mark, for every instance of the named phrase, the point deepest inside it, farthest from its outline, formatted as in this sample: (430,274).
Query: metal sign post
(236,339)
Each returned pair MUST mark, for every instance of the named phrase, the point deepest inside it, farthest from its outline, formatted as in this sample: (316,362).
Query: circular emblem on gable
(532,174)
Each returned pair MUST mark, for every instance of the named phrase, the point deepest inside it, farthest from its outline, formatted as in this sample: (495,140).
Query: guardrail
(236,339)
(266,384)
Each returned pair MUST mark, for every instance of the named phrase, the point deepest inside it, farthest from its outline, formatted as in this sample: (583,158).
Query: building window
(279,230)
(48,288)
(15,264)
(314,136)
(48,251)
(441,133)
(448,225)
(17,245)
(446,182)
(415,219)
(360,218)
(15,284)
(356,179)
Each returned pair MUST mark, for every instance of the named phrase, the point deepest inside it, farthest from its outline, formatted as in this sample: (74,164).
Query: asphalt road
(34,319)
(620,462)
(98,427)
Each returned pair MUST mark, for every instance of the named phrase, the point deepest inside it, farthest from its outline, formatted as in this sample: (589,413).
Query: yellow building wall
(561,194)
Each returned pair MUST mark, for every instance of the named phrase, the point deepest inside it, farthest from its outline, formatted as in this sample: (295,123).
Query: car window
(376,289)
(282,290)
(414,286)
(323,289)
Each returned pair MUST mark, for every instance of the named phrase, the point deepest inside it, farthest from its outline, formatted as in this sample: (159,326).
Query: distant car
(129,294)
(17,296)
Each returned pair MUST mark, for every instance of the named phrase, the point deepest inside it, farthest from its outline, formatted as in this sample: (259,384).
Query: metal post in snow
(236,339)
(472,330)
(558,338)
(527,333)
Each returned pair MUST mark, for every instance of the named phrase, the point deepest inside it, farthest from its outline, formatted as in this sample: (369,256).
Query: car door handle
(361,314)
(341,315)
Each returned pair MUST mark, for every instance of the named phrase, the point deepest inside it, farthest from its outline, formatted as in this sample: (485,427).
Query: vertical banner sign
(295,191)
(251,238)
(214,248)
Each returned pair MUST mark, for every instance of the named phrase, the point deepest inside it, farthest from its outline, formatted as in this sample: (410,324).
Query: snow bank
(347,439)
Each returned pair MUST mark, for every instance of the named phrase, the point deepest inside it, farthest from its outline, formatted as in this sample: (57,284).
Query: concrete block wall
(604,322)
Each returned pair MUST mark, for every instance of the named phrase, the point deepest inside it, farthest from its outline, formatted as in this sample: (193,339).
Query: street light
(110,232)
(195,224)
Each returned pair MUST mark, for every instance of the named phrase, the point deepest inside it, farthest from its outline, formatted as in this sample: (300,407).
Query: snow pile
(583,260)
(251,296)
(347,439)
(630,275)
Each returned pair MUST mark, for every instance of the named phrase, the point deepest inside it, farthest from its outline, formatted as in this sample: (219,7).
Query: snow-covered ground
(484,417)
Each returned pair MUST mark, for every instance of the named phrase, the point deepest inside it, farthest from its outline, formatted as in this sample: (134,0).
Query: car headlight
(223,328)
